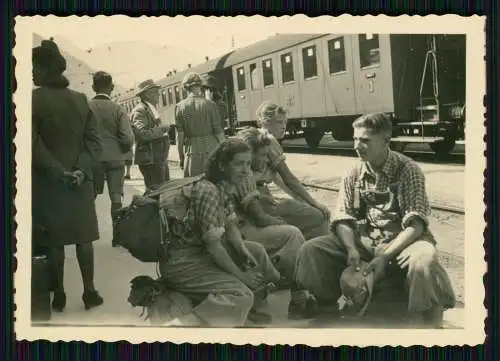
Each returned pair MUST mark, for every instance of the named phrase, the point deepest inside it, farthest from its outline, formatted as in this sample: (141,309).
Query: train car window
(336,55)
(164,97)
(254,77)
(310,62)
(287,68)
(267,72)
(240,74)
(177,94)
(369,50)
(170,97)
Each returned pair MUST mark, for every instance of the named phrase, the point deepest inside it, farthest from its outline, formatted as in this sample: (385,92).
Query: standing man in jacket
(116,138)
(152,141)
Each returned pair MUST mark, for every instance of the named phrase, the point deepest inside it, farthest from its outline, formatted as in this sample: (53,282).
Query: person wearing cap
(381,218)
(116,137)
(65,149)
(211,89)
(198,122)
(151,135)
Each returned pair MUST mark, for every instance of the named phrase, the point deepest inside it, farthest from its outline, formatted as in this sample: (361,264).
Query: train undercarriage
(441,135)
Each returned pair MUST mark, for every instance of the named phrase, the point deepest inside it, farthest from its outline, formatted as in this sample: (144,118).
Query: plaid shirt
(389,199)
(211,208)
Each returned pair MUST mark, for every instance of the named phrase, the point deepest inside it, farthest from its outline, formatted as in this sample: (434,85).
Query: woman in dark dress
(65,147)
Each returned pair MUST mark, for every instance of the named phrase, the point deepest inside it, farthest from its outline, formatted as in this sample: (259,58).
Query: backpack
(144,226)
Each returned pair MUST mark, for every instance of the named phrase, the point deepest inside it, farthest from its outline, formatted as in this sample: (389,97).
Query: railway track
(418,155)
(434,206)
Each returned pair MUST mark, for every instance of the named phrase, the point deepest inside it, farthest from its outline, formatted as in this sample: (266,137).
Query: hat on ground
(209,81)
(146,85)
(48,56)
(191,79)
(356,290)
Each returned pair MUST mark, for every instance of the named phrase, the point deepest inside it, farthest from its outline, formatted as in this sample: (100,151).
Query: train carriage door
(256,85)
(269,79)
(313,103)
(289,84)
(373,73)
(340,94)
(241,93)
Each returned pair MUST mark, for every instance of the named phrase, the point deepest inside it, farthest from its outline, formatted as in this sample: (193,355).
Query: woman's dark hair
(254,137)
(222,155)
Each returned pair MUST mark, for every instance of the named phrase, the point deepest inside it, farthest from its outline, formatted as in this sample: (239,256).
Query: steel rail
(327,148)
(437,207)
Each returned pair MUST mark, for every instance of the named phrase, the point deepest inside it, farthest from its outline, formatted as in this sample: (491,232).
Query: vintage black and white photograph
(250,179)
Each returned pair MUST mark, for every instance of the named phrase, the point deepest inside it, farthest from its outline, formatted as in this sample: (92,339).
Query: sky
(207,36)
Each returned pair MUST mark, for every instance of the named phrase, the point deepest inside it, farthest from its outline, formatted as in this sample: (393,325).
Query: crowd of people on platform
(380,227)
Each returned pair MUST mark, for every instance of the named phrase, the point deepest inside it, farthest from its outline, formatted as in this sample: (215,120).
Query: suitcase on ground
(40,289)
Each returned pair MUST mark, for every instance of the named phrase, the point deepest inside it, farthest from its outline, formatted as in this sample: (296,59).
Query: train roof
(268,46)
(206,67)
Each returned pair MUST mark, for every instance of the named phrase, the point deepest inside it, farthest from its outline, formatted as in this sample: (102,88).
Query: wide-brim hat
(357,290)
(146,85)
(190,80)
(48,55)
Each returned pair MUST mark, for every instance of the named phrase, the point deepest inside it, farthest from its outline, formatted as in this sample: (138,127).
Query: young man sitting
(381,218)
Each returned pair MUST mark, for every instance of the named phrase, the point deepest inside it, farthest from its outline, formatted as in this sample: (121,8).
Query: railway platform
(114,267)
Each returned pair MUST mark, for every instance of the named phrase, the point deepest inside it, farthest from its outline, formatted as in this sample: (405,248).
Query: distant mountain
(133,61)
(78,72)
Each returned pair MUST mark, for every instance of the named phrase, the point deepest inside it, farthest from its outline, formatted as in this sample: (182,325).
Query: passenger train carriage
(325,81)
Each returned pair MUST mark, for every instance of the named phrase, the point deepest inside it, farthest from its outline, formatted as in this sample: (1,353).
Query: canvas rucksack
(144,226)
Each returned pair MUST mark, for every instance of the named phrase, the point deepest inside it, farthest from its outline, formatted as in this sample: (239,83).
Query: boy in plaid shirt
(381,218)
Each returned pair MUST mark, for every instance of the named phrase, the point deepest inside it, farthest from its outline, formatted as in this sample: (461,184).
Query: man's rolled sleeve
(345,211)
(413,201)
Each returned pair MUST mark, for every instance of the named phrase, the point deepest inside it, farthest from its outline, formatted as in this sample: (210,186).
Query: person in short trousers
(116,136)
(381,218)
